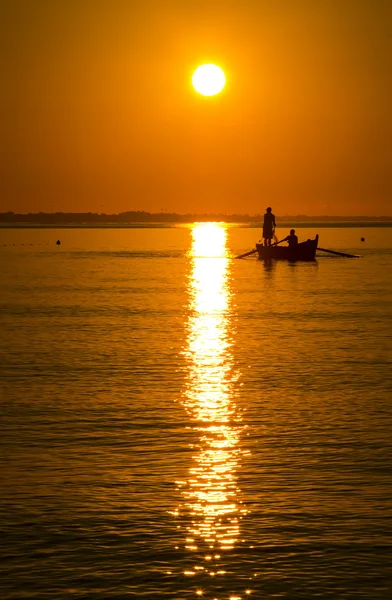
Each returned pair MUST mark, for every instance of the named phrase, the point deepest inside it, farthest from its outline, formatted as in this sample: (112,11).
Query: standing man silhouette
(268,227)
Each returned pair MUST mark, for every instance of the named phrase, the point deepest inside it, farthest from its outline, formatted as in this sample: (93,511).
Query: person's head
(292,231)
(269,209)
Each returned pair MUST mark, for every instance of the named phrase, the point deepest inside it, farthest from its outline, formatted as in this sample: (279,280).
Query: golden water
(178,424)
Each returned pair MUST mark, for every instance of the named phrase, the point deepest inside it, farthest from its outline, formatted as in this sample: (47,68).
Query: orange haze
(100,113)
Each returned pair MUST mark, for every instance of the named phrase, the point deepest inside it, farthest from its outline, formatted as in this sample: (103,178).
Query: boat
(302,251)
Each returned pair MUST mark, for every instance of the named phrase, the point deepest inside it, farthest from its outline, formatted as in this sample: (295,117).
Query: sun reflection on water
(211,494)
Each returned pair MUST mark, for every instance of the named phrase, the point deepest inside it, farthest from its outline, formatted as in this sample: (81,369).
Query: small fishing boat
(303,251)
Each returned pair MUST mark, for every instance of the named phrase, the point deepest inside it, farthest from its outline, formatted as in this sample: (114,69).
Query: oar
(247,253)
(255,250)
(339,253)
(276,243)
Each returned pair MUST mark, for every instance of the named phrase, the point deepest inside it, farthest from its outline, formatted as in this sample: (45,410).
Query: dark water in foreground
(177,424)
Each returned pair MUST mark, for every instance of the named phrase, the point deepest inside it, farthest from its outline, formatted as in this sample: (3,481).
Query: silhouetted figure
(291,239)
(362,239)
(268,227)
(58,243)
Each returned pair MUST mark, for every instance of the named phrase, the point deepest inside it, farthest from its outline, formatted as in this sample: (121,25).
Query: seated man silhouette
(291,239)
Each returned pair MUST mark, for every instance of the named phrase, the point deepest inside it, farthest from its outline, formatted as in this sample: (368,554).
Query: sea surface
(177,424)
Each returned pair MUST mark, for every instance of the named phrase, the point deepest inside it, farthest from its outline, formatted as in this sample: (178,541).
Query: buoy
(58,242)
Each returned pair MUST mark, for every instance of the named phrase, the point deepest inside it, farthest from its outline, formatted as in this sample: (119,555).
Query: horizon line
(166,214)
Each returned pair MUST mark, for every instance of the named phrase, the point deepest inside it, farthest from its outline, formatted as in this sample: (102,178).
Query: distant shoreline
(143,219)
(175,225)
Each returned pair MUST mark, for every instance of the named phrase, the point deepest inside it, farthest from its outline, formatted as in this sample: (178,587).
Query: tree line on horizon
(165,217)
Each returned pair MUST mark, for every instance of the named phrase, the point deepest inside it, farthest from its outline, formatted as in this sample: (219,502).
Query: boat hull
(303,251)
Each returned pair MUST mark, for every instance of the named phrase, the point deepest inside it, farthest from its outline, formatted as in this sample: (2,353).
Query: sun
(208,80)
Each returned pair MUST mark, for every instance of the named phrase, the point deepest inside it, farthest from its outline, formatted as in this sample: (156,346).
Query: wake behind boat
(302,251)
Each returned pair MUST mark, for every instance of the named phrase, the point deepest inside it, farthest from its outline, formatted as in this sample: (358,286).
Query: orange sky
(100,113)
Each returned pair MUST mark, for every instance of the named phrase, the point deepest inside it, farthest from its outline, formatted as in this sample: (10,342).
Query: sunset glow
(124,107)
(208,80)
(211,492)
